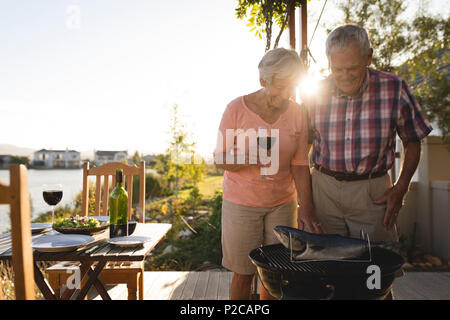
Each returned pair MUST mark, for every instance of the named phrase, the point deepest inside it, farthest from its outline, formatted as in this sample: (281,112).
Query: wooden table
(92,258)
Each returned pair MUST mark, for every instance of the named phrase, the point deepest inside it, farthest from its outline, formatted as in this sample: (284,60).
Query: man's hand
(394,196)
(394,202)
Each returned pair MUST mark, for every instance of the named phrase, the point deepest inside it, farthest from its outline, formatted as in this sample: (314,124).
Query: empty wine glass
(52,194)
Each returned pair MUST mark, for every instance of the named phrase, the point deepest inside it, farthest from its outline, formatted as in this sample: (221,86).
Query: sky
(104,74)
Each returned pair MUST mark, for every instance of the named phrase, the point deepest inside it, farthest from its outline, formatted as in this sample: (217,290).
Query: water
(71,180)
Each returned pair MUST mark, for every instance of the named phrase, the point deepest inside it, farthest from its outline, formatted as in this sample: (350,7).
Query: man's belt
(340,176)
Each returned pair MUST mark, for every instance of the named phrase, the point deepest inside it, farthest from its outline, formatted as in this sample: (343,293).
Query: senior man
(354,120)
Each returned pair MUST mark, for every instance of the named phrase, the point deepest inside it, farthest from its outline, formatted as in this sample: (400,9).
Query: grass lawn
(207,187)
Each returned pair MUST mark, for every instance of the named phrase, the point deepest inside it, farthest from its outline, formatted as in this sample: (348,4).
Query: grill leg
(255,295)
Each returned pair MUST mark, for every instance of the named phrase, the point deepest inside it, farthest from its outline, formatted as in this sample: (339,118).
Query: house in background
(148,159)
(50,159)
(101,157)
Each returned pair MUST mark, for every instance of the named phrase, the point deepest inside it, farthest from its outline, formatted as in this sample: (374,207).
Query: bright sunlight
(308,86)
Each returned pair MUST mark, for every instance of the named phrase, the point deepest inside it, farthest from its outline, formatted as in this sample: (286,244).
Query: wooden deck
(211,285)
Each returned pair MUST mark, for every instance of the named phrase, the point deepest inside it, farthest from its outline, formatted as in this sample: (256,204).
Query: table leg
(84,268)
(42,284)
(100,287)
(93,279)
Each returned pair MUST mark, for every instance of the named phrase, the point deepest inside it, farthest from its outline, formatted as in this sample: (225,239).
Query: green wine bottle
(118,208)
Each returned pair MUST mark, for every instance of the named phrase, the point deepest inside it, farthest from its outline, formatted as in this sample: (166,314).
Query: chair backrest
(16,195)
(106,170)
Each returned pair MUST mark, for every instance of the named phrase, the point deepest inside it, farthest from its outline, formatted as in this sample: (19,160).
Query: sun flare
(308,86)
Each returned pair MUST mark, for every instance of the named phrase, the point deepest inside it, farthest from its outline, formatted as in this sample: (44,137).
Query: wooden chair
(131,273)
(16,195)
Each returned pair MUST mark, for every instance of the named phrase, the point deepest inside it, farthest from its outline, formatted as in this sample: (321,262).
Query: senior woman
(261,188)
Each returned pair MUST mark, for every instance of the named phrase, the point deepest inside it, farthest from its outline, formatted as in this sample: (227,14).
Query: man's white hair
(340,38)
(280,63)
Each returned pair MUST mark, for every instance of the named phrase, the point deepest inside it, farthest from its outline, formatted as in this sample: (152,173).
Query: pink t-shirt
(246,186)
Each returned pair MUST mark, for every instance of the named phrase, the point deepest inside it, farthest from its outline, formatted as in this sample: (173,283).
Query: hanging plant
(261,15)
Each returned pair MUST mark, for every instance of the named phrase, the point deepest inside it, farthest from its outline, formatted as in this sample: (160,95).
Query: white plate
(40,227)
(61,242)
(130,241)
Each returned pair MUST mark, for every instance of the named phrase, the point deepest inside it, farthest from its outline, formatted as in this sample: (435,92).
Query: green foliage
(212,170)
(61,212)
(216,207)
(179,165)
(195,171)
(161,165)
(19,160)
(179,148)
(428,68)
(153,187)
(387,32)
(192,252)
(7,290)
(415,49)
(194,198)
(91,200)
(177,209)
(136,159)
(262,14)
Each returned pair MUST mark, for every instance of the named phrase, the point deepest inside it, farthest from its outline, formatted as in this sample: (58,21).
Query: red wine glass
(52,194)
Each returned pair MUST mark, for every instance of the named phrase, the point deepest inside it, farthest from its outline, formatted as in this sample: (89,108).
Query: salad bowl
(80,225)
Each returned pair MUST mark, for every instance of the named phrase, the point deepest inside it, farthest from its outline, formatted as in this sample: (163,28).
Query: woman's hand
(238,162)
(306,218)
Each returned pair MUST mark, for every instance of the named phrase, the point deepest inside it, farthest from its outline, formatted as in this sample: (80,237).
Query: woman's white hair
(280,63)
(341,37)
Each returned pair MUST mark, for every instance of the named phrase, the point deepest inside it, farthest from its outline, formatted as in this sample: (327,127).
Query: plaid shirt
(357,134)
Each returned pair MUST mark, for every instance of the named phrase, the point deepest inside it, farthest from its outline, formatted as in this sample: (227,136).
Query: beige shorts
(246,228)
(346,207)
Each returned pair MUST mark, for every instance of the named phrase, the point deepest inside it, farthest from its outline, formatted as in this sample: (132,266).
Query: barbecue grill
(337,279)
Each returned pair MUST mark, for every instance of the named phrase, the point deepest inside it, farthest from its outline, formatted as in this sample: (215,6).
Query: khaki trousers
(346,207)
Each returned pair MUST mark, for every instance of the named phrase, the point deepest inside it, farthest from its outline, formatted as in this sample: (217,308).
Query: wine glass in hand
(265,142)
(52,194)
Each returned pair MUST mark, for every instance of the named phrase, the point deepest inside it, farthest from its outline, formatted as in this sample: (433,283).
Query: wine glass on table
(266,142)
(52,194)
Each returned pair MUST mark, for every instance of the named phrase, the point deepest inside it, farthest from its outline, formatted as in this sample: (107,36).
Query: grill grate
(278,257)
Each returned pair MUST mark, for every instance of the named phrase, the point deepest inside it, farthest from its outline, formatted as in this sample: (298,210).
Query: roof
(109,153)
(57,151)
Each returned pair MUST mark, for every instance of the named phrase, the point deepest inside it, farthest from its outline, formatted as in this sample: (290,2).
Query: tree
(417,50)
(19,160)
(263,13)
(428,69)
(196,171)
(136,159)
(387,31)
(161,166)
(179,150)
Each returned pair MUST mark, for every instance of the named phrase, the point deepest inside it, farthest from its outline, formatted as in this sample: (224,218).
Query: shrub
(194,199)
(154,187)
(204,245)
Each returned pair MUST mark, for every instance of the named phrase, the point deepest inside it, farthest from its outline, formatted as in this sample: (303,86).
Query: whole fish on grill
(311,246)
